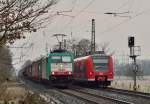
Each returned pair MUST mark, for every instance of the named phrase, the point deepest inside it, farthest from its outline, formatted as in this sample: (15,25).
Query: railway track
(121,95)
(88,98)
(127,92)
(93,98)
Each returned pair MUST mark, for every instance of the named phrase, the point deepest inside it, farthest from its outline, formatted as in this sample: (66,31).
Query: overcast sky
(134,20)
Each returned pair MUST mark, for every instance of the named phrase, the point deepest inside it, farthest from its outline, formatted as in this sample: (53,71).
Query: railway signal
(134,52)
(131,41)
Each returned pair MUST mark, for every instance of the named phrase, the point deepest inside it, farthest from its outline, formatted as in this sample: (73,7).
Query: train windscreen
(55,59)
(61,63)
(60,59)
(100,63)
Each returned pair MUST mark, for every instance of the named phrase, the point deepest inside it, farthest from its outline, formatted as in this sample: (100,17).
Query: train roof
(94,55)
(39,59)
(82,58)
(101,55)
(59,52)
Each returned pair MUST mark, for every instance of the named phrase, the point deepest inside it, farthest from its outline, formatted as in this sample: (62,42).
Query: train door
(48,68)
(44,69)
(40,70)
(83,69)
(35,71)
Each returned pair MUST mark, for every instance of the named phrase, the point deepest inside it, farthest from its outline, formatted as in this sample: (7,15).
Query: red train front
(95,69)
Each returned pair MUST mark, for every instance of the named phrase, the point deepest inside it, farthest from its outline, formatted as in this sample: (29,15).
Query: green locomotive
(56,68)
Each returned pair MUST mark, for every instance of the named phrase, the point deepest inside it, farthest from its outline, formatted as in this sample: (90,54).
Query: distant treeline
(127,69)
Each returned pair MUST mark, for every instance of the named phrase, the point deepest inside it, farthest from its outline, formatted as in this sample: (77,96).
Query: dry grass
(12,91)
(143,84)
(33,99)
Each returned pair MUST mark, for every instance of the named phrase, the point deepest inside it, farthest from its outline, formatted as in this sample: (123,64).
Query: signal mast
(93,37)
(134,52)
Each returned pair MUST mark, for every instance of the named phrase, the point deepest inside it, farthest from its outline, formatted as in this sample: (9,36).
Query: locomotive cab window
(56,59)
(66,59)
(100,63)
(61,63)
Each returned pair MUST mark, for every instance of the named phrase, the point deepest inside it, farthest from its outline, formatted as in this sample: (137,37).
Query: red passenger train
(94,69)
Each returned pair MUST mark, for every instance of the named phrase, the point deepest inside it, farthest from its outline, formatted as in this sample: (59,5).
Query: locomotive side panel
(35,71)
(111,69)
(29,70)
(83,69)
(90,70)
(43,69)
(39,70)
(80,71)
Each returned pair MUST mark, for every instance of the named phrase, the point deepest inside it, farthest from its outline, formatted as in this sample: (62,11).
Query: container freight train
(56,69)
(94,69)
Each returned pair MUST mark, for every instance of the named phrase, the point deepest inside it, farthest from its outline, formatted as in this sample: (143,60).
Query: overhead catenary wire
(126,20)
(82,10)
(26,45)
(74,4)
(90,3)
(113,27)
(123,13)
(62,13)
(131,5)
(126,3)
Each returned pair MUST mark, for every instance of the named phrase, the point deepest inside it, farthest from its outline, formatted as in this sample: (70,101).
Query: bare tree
(83,47)
(56,46)
(71,45)
(105,48)
(78,47)
(6,67)
(19,16)
(28,62)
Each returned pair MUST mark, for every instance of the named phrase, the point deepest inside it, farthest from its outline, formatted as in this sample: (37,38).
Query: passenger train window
(82,66)
(75,67)
(100,63)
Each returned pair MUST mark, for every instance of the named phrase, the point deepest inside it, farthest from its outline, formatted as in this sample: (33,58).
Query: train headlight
(69,72)
(53,73)
(91,73)
(110,73)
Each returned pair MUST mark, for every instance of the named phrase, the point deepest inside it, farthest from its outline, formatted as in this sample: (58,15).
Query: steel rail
(128,92)
(95,98)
